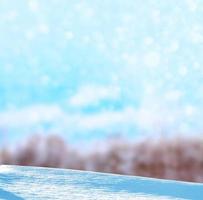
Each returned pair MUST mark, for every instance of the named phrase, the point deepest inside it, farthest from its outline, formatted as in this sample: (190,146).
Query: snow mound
(18,183)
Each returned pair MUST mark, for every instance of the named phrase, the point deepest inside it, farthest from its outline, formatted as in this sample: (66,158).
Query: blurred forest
(178,158)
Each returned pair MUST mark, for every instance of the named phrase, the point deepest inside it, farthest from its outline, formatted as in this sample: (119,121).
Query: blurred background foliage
(178,158)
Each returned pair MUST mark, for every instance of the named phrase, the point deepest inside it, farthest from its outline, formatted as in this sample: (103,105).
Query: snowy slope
(17,183)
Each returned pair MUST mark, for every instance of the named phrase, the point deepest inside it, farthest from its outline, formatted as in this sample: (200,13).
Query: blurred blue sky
(91,68)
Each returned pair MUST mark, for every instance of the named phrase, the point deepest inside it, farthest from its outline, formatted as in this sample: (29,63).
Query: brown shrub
(177,158)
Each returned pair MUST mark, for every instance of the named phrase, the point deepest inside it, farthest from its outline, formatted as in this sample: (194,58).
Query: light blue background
(87,69)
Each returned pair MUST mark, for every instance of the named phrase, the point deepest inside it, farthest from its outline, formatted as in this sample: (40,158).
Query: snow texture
(18,183)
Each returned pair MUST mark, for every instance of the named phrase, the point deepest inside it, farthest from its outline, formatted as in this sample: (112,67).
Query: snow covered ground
(17,183)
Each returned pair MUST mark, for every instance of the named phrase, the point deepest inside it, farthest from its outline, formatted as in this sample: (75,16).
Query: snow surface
(17,183)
